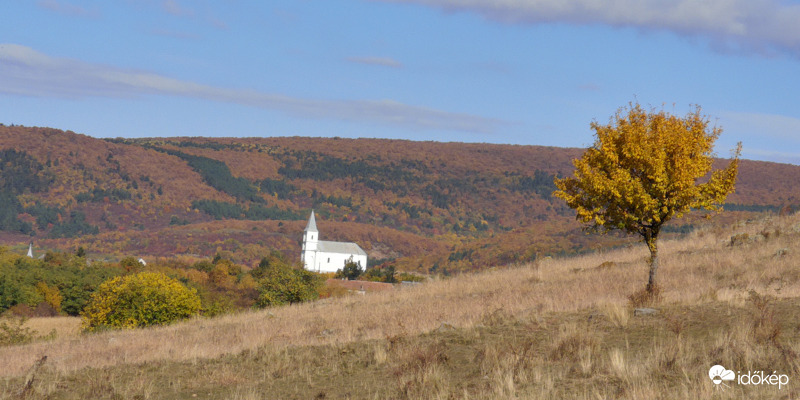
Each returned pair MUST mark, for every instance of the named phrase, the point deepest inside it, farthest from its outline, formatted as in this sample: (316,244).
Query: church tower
(310,239)
(327,256)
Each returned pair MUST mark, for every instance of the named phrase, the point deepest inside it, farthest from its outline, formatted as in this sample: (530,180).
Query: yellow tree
(644,169)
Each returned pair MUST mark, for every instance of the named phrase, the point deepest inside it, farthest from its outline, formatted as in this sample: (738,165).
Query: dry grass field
(557,328)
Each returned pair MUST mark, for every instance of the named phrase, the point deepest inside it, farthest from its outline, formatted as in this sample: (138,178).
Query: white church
(324,256)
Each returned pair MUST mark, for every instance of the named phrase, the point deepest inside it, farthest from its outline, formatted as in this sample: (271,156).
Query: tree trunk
(652,245)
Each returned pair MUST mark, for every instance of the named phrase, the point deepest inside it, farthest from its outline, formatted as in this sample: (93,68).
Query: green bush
(66,276)
(351,271)
(281,284)
(143,299)
(13,331)
(377,274)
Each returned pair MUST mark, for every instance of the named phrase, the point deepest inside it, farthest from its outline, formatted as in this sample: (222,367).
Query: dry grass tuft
(765,325)
(576,347)
(618,314)
(420,371)
(646,297)
(64,327)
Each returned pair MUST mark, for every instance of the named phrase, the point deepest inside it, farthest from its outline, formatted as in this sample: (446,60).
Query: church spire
(312,223)
(30,250)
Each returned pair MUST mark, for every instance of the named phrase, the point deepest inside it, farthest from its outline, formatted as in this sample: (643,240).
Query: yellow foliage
(247,282)
(644,169)
(220,277)
(143,299)
(194,275)
(51,295)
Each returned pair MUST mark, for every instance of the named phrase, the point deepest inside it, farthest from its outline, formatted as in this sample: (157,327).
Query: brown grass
(64,327)
(555,329)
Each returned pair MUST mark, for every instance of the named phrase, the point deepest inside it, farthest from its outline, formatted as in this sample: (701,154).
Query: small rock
(781,252)
(644,311)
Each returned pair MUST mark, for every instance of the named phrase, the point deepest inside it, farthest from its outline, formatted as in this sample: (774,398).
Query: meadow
(555,328)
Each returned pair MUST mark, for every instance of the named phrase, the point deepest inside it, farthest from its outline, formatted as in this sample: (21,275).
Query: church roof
(312,223)
(340,248)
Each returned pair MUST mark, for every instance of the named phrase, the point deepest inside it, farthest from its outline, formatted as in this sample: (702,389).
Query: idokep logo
(719,375)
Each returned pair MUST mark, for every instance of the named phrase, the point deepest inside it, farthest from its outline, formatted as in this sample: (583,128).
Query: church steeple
(312,223)
(30,250)
(310,238)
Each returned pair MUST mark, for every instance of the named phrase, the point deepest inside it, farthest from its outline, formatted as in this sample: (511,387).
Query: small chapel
(325,256)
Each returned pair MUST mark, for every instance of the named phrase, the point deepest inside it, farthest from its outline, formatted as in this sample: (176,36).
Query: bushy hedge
(280,283)
(143,299)
(62,280)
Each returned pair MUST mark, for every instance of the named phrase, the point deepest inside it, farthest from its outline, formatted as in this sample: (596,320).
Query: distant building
(30,250)
(324,256)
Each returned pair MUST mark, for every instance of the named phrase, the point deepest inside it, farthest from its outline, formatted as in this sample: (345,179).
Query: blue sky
(498,71)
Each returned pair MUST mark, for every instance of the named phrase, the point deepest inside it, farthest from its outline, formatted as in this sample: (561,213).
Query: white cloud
(380,61)
(65,8)
(217,22)
(760,25)
(763,125)
(24,71)
(174,8)
(775,156)
(765,136)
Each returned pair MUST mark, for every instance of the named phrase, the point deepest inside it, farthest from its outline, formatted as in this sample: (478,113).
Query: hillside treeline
(64,283)
(418,206)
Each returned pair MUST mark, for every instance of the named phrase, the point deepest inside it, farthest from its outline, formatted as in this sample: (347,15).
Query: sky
(529,72)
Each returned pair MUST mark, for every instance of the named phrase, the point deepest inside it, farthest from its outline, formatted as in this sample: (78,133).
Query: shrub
(52,296)
(647,297)
(13,331)
(376,274)
(282,284)
(143,299)
(351,271)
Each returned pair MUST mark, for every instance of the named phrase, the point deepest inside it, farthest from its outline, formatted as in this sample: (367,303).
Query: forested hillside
(421,206)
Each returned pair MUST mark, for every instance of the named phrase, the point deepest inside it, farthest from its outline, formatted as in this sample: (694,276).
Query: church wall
(332,262)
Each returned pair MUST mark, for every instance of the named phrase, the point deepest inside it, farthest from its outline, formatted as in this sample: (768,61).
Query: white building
(324,256)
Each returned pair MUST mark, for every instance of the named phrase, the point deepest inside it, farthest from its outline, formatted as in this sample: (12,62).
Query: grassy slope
(555,329)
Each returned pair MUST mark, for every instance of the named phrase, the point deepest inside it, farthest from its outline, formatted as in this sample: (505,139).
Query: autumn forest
(422,207)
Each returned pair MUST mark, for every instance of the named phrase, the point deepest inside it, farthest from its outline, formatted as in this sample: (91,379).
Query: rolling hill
(423,206)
